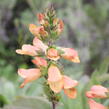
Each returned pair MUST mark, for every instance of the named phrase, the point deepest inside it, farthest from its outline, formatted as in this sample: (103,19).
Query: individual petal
(27,49)
(29,75)
(71,93)
(97,91)
(53,54)
(95,105)
(70,54)
(34,30)
(56,86)
(69,83)
(39,44)
(40,62)
(54,74)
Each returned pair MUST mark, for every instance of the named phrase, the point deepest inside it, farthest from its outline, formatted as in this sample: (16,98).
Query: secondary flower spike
(95,105)
(97,91)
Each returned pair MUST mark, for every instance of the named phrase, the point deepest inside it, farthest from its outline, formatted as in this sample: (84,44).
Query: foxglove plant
(97,91)
(46,55)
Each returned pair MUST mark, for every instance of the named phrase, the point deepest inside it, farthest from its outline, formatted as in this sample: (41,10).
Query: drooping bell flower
(95,105)
(53,54)
(59,82)
(69,87)
(70,54)
(29,75)
(97,91)
(55,78)
(32,50)
(27,49)
(40,62)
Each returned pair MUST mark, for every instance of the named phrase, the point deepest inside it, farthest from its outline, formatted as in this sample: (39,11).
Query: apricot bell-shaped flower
(70,54)
(29,75)
(27,49)
(97,91)
(53,54)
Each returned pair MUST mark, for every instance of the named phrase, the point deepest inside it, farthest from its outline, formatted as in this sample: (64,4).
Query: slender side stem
(53,105)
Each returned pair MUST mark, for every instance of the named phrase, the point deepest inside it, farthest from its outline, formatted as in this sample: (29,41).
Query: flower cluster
(46,55)
(97,91)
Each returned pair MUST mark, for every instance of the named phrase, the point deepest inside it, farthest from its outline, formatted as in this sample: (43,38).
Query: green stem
(53,105)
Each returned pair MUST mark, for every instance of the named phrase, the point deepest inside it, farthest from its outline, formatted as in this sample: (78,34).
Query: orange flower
(95,105)
(69,85)
(53,54)
(97,91)
(29,75)
(37,31)
(70,54)
(40,62)
(32,50)
(55,78)
(58,82)
(27,49)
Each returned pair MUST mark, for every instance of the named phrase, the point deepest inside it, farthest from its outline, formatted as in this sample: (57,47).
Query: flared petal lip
(69,83)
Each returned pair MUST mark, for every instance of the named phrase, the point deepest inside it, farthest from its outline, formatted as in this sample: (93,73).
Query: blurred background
(86,29)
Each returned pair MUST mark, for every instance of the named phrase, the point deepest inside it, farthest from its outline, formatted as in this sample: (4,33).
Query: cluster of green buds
(51,27)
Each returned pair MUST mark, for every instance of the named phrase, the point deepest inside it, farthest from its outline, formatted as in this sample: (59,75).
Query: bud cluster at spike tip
(97,91)
(46,55)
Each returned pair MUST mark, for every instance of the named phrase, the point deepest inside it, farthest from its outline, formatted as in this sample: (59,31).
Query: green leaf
(3,100)
(29,103)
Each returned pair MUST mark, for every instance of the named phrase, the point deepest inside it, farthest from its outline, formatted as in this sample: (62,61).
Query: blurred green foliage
(86,29)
